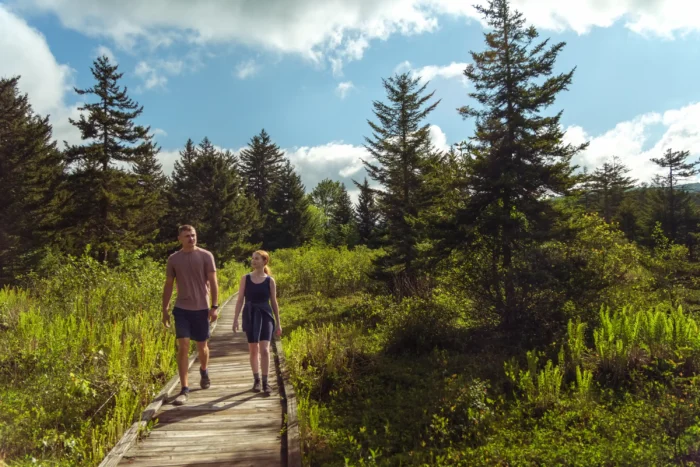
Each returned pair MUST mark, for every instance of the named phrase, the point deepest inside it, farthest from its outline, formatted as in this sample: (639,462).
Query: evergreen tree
(608,186)
(262,164)
(210,194)
(674,202)
(289,207)
(30,170)
(151,202)
(517,153)
(401,145)
(101,209)
(366,215)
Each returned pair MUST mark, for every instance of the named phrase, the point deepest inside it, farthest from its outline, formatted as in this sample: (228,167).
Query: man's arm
(167,294)
(239,303)
(214,288)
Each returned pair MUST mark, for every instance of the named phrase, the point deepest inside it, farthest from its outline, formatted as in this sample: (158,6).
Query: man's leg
(203,354)
(183,353)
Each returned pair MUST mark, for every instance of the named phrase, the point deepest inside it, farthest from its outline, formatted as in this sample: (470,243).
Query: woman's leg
(254,348)
(268,327)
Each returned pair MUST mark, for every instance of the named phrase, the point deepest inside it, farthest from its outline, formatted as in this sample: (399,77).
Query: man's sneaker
(256,386)
(181,398)
(266,388)
(204,383)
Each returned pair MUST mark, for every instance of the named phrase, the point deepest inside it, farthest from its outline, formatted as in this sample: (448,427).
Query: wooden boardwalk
(225,425)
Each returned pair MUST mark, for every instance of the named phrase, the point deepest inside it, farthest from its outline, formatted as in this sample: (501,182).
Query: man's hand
(166,319)
(213,314)
(279,330)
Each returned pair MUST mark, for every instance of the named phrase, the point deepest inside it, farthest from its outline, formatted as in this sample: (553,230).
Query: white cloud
(681,131)
(26,53)
(104,50)
(430,72)
(247,69)
(344,88)
(339,31)
(439,139)
(159,131)
(153,74)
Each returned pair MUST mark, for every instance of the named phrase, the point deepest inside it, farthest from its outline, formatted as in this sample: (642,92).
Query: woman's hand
(235,325)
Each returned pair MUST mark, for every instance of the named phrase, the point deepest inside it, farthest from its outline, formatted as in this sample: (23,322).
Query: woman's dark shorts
(261,328)
(192,324)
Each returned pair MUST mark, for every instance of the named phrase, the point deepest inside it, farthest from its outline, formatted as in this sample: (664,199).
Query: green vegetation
(84,351)
(493,304)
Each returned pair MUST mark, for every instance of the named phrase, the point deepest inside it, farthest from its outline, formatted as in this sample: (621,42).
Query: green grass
(84,351)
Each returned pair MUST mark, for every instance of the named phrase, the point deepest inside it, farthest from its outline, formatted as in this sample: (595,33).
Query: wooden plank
(114,455)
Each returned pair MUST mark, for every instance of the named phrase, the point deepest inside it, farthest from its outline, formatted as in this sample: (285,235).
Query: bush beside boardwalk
(84,351)
(430,381)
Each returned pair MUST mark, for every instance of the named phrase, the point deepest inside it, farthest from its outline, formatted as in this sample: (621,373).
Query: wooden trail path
(225,425)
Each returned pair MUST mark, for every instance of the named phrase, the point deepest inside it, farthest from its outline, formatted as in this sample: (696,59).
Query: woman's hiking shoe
(182,397)
(204,383)
(256,385)
(266,388)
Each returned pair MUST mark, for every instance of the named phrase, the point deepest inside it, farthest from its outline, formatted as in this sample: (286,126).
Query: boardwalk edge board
(115,455)
(291,433)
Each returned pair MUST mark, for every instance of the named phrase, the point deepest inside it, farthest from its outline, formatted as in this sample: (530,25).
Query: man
(194,270)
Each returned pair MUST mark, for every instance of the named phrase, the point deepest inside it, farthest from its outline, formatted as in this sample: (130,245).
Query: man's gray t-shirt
(190,270)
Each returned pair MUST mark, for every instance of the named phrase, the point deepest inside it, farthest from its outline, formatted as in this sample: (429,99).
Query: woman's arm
(275,305)
(239,303)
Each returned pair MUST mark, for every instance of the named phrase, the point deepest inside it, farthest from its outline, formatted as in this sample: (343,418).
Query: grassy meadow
(84,351)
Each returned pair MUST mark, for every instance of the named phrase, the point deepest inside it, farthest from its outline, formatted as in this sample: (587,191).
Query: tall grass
(84,351)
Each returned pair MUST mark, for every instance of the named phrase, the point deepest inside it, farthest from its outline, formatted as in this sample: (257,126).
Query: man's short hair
(182,228)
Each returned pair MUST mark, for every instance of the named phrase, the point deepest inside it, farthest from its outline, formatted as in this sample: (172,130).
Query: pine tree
(366,215)
(675,201)
(101,208)
(30,170)
(401,145)
(608,186)
(289,208)
(261,165)
(209,193)
(517,153)
(151,203)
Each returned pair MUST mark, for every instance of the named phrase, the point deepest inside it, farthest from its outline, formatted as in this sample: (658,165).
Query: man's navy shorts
(192,324)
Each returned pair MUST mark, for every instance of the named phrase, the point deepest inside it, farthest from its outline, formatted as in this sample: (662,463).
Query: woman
(259,290)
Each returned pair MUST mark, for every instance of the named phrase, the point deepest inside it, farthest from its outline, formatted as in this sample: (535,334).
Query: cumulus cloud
(247,69)
(153,74)
(344,88)
(430,72)
(628,140)
(342,30)
(26,53)
(106,51)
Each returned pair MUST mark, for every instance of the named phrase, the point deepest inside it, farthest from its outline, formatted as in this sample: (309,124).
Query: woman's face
(257,261)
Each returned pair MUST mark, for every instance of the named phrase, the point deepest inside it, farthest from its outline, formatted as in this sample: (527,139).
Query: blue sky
(308,70)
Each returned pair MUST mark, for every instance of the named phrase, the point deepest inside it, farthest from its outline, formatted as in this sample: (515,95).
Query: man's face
(188,238)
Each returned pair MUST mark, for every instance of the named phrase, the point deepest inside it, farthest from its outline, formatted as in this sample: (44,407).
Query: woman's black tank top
(257,293)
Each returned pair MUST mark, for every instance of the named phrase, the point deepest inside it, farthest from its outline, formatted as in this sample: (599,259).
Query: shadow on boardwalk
(225,425)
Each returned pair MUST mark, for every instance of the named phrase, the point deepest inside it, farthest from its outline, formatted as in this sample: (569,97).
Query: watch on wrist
(215,306)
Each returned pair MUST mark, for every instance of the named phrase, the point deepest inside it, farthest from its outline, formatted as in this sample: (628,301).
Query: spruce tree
(209,193)
(151,202)
(401,145)
(673,202)
(101,209)
(517,155)
(30,170)
(366,215)
(608,186)
(289,207)
(262,164)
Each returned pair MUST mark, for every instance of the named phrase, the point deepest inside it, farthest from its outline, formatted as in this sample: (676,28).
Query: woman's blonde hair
(266,256)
